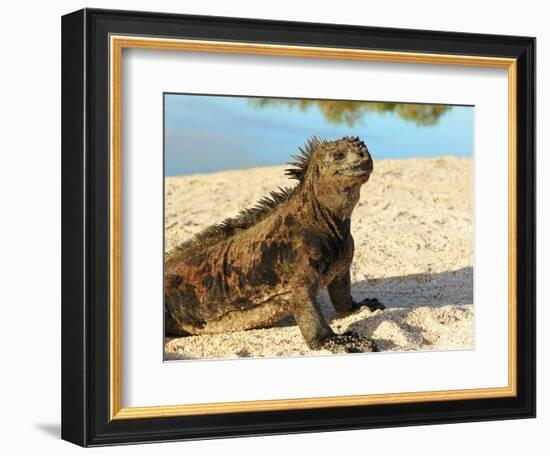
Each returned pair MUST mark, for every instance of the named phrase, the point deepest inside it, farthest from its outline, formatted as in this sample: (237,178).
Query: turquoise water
(211,133)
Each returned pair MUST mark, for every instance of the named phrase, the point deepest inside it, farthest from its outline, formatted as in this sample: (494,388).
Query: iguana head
(332,172)
(343,162)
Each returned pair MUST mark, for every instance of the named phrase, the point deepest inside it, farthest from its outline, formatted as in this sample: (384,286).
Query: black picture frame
(85,227)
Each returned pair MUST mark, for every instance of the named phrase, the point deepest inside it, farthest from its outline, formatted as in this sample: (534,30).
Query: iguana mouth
(361,169)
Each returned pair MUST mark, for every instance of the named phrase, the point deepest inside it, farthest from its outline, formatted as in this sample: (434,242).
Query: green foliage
(352,112)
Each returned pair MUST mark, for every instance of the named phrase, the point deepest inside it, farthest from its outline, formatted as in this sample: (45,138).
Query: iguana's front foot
(372,303)
(349,342)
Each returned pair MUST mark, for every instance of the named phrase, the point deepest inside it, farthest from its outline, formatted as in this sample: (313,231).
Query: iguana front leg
(339,291)
(317,332)
(307,313)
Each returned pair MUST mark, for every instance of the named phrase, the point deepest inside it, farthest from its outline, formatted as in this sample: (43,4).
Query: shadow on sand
(408,291)
(402,295)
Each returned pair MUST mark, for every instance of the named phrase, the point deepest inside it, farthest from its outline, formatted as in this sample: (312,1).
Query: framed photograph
(279,227)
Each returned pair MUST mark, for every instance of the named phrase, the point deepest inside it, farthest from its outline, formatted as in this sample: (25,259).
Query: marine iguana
(271,260)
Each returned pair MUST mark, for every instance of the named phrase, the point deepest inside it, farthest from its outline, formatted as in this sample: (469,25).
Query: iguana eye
(339,156)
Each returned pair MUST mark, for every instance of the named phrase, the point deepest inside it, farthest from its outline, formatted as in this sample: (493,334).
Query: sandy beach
(413,231)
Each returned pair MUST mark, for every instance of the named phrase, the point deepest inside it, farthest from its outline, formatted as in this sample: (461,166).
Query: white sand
(413,236)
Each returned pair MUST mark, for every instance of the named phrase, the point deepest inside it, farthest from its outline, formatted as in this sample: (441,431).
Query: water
(206,134)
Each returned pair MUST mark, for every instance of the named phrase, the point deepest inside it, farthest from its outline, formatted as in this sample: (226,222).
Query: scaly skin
(271,261)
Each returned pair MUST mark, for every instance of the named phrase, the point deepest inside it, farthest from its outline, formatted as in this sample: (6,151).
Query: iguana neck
(328,210)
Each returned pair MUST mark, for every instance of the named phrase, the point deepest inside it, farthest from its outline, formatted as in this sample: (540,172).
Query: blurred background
(204,134)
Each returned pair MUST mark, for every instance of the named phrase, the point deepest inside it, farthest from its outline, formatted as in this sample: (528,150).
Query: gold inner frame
(117,44)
